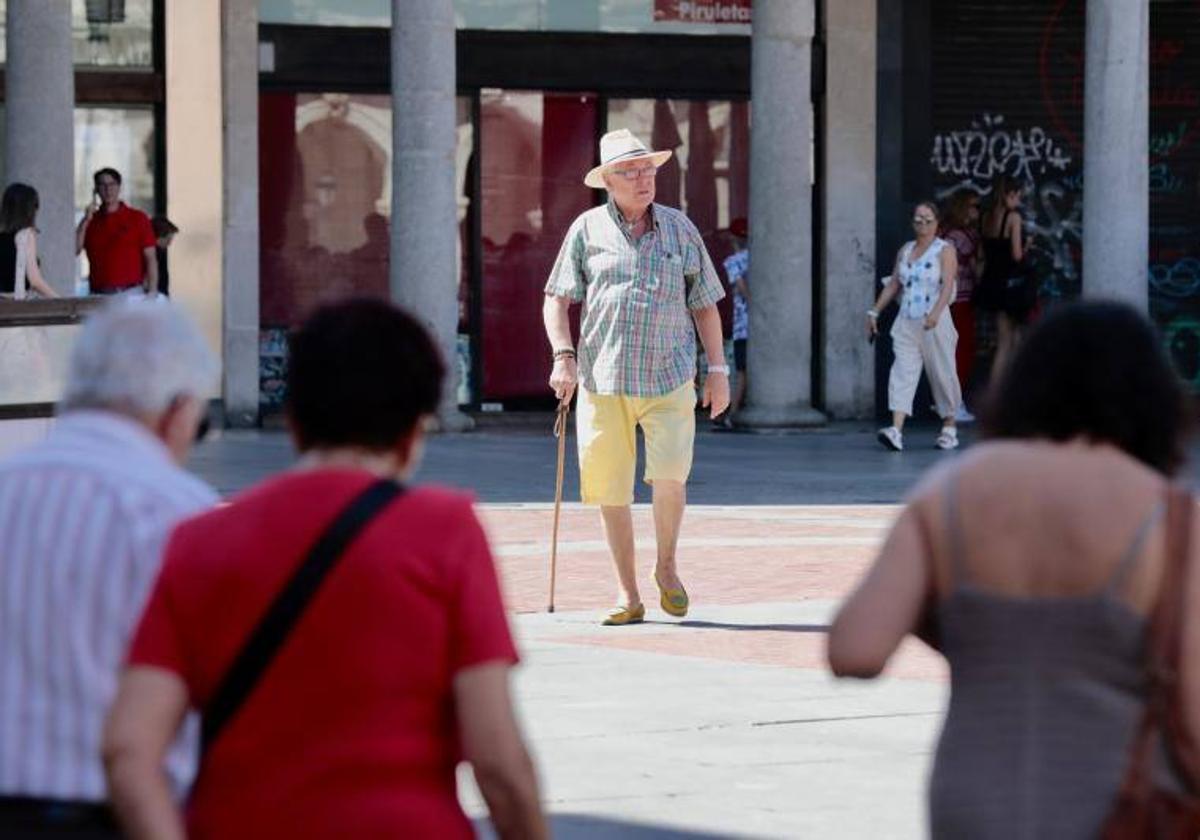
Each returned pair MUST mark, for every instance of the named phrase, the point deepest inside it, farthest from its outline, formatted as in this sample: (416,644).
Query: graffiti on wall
(974,156)
(1021,113)
(1175,189)
(989,148)
(1173,274)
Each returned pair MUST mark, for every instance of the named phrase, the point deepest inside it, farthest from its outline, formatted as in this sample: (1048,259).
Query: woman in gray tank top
(1031,563)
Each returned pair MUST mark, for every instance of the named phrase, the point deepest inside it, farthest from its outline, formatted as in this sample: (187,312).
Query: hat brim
(595,178)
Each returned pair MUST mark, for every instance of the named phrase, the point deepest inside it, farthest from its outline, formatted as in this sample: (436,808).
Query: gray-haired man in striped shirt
(643,277)
(84,517)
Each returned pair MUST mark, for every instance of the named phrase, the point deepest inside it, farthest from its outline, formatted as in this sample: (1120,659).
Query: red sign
(702,11)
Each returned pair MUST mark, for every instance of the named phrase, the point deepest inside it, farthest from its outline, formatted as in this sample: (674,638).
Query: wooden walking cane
(560,432)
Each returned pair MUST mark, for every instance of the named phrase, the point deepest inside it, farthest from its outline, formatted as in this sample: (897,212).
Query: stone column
(39,132)
(239,104)
(780,348)
(424,276)
(1116,161)
(851,31)
(195,166)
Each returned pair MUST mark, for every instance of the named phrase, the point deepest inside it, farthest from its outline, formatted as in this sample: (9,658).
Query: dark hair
(109,171)
(361,373)
(958,208)
(18,207)
(1002,188)
(932,206)
(1094,369)
(162,226)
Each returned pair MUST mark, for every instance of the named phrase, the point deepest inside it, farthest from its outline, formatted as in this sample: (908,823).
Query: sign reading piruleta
(703,11)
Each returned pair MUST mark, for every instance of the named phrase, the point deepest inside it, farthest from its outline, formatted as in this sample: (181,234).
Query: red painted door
(535,147)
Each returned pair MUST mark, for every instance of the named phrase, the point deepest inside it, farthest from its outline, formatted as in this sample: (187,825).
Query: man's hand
(565,377)
(716,394)
(81,229)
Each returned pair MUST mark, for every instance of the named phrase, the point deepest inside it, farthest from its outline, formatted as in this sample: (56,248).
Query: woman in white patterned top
(18,244)
(923,335)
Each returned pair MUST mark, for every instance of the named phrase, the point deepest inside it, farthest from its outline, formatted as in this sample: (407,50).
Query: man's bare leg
(670,497)
(618,531)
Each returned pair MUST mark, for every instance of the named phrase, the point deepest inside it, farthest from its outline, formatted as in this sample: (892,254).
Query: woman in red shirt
(397,666)
(960,228)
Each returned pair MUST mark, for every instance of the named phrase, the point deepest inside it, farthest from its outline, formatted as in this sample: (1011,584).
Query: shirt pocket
(667,278)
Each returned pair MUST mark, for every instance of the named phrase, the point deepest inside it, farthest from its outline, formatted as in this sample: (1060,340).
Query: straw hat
(617,147)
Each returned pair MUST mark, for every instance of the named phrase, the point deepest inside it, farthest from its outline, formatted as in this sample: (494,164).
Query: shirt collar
(118,433)
(620,222)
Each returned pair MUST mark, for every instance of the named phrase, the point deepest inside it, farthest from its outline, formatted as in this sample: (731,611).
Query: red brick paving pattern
(835,545)
(713,573)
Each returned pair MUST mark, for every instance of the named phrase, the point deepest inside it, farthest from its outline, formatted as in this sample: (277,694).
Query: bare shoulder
(934,484)
(1073,475)
(989,461)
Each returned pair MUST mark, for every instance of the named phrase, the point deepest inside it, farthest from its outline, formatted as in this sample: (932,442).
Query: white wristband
(719,369)
(871,313)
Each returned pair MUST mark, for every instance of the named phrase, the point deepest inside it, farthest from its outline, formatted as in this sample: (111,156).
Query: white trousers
(917,348)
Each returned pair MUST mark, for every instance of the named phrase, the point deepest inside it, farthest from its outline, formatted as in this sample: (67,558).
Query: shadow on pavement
(587,827)
(777,628)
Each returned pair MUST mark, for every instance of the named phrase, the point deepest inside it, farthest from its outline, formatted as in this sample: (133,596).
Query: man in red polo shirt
(118,239)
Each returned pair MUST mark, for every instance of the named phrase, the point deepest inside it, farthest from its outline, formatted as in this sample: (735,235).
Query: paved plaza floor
(725,723)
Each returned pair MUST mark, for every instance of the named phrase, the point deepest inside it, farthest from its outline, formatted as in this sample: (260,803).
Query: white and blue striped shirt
(84,518)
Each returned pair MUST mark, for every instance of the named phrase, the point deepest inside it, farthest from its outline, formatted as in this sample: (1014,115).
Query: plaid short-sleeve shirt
(636,336)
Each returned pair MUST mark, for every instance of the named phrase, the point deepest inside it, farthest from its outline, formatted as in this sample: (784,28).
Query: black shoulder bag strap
(289,605)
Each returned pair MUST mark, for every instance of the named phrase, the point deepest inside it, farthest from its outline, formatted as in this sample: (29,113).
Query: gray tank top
(1046,693)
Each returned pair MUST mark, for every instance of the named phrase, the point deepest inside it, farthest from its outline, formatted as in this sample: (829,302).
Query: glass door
(535,149)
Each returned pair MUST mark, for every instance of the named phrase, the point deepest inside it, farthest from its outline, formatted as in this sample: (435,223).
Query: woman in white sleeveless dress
(19,269)
(923,335)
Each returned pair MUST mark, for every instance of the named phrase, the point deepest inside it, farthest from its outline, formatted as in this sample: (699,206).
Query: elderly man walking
(643,276)
(84,517)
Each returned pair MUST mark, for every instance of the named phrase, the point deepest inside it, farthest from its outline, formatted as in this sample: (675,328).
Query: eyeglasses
(923,220)
(635,174)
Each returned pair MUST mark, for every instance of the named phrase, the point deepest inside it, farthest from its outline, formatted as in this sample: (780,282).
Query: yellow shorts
(606,425)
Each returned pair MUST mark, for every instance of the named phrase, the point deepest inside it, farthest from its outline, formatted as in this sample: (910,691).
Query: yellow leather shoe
(673,601)
(619,615)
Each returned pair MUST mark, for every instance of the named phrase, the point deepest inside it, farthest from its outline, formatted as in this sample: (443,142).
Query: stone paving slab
(724,723)
(690,744)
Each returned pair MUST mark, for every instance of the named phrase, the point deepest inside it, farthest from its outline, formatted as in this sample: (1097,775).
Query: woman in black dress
(20,270)
(1003,288)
